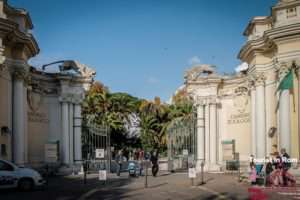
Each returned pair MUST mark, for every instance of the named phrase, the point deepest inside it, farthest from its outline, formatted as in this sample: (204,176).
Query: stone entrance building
(246,107)
(37,107)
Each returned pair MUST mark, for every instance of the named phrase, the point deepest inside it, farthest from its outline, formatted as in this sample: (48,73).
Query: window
(291,12)
(3,150)
(5,166)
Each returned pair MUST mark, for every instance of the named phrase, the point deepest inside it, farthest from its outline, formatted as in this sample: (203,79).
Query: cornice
(9,30)
(18,11)
(267,41)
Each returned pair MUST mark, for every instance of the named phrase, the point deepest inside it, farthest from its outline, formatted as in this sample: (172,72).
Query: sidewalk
(174,186)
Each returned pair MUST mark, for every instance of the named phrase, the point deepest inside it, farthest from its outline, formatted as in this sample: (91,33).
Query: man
(285,159)
(154,160)
(285,164)
(119,160)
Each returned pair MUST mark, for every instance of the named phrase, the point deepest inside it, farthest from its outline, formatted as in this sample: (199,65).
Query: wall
(5,112)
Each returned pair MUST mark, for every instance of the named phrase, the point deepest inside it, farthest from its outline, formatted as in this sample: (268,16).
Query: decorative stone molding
(251,83)
(260,79)
(72,98)
(199,71)
(213,101)
(282,69)
(21,74)
(80,68)
(200,101)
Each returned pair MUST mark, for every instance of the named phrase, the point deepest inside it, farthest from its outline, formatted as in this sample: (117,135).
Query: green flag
(287,82)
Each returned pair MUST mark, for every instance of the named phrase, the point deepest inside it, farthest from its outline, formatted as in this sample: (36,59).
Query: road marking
(219,195)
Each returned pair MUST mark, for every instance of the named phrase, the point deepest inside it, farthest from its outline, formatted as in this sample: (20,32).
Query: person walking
(119,160)
(154,161)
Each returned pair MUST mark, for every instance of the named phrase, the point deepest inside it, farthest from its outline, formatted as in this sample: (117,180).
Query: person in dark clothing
(154,161)
(269,170)
(286,165)
(119,160)
(285,159)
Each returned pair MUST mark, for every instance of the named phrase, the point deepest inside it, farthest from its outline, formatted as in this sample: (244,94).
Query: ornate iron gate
(96,137)
(182,143)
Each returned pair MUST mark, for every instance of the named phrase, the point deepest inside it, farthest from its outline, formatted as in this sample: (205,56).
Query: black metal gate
(96,138)
(182,143)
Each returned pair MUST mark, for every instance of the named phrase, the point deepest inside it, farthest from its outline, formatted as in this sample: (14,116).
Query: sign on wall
(228,149)
(185,152)
(99,153)
(51,153)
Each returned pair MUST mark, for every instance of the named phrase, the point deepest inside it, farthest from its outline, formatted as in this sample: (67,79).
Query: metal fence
(182,143)
(96,137)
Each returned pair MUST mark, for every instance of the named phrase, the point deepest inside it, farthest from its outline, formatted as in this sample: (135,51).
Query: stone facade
(37,107)
(246,107)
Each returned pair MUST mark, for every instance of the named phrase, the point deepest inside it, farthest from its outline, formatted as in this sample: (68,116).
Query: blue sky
(142,47)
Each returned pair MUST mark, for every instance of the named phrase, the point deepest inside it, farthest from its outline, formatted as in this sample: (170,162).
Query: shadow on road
(64,188)
(223,195)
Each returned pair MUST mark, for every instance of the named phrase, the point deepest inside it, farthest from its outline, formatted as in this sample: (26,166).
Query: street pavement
(165,186)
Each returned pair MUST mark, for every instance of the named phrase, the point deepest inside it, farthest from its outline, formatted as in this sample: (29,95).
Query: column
(65,151)
(25,124)
(77,132)
(298,71)
(71,132)
(285,121)
(19,112)
(270,113)
(253,113)
(200,135)
(260,117)
(206,133)
(213,133)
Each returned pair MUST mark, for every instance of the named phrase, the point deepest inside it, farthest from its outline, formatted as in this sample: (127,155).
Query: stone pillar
(270,113)
(71,132)
(213,133)
(77,132)
(19,111)
(200,135)
(284,113)
(206,135)
(298,71)
(253,113)
(65,145)
(260,117)
(285,121)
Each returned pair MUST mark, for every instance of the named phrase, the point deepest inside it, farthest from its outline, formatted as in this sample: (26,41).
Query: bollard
(47,174)
(146,175)
(202,172)
(84,171)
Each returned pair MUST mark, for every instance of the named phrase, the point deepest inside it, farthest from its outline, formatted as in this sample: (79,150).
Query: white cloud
(152,80)
(242,67)
(194,60)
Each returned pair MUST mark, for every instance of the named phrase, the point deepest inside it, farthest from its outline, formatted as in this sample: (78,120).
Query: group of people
(138,155)
(275,170)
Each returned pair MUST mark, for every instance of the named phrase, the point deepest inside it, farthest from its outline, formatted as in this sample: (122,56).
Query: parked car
(134,168)
(12,176)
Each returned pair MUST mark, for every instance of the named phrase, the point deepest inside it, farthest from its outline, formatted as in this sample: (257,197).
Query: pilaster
(260,116)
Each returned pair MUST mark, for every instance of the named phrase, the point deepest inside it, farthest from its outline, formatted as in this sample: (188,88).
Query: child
(252,174)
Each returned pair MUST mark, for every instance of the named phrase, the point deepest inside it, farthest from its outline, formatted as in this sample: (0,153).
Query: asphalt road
(165,186)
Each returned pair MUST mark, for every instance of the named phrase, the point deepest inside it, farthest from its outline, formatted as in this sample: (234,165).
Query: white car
(12,176)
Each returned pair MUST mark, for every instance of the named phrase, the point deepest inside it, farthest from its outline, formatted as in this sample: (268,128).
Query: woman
(276,178)
(252,173)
